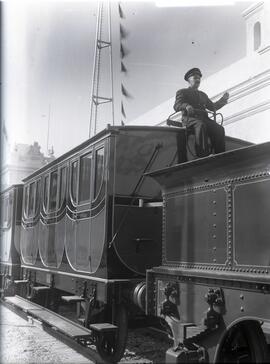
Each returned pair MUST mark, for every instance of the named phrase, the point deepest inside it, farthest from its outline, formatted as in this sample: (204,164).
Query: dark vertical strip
(123,67)
(121,13)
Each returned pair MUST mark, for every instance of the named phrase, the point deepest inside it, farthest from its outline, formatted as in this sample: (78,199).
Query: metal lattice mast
(103,42)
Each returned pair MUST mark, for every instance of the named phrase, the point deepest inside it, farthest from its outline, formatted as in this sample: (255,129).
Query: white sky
(48,55)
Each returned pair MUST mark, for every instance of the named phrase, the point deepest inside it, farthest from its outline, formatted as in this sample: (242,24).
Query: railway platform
(25,342)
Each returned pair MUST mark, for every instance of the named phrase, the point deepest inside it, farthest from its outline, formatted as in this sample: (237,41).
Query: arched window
(257,35)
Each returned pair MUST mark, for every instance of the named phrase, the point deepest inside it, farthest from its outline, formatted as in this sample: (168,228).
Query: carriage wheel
(244,343)
(111,347)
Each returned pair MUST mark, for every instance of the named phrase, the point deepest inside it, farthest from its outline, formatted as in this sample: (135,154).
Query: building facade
(21,161)
(247,114)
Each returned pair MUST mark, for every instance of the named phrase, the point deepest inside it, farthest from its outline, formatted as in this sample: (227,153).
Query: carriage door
(98,210)
(51,242)
(30,225)
(78,222)
(85,224)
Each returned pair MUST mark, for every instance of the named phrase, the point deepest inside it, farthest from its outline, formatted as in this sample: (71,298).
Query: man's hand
(226,96)
(190,110)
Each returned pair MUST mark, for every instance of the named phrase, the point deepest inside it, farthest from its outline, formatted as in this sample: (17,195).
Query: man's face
(194,81)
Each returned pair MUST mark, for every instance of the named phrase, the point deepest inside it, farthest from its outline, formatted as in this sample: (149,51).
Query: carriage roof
(10,188)
(114,130)
(110,130)
(216,164)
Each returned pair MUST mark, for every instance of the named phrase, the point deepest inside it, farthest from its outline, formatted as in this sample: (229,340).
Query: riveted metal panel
(251,223)
(196,227)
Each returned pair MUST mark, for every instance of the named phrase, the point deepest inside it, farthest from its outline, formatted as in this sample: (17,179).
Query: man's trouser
(202,130)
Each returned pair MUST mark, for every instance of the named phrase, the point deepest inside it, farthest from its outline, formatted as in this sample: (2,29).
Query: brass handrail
(179,124)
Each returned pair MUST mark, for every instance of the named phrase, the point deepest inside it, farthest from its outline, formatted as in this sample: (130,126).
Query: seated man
(193,104)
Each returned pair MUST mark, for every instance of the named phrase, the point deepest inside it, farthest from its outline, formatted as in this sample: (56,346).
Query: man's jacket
(198,100)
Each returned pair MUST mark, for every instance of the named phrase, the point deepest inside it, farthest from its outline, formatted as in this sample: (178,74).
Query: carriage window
(62,191)
(31,199)
(99,167)
(26,195)
(85,177)
(46,187)
(74,179)
(37,199)
(6,205)
(53,191)
(2,211)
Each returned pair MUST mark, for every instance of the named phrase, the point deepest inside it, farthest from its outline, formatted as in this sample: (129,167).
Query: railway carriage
(10,227)
(213,286)
(78,204)
(87,224)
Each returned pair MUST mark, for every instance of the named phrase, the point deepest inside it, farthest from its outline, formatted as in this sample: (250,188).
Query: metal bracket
(216,301)
(169,306)
(182,354)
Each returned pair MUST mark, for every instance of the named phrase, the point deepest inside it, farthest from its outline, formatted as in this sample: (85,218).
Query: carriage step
(61,324)
(20,281)
(51,319)
(22,303)
(104,327)
(71,299)
(41,288)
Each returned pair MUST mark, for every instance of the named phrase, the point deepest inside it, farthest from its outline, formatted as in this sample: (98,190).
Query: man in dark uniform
(193,104)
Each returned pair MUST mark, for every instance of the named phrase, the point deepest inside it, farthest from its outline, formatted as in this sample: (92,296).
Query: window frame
(97,193)
(46,177)
(5,221)
(85,202)
(25,200)
(72,162)
(36,199)
(51,211)
(93,149)
(31,213)
(37,196)
(60,200)
(59,203)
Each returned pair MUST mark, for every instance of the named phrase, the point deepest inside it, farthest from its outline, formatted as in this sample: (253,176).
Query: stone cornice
(247,112)
(263,50)
(252,9)
(246,87)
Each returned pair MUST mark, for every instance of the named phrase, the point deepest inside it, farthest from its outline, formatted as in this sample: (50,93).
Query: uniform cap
(193,71)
